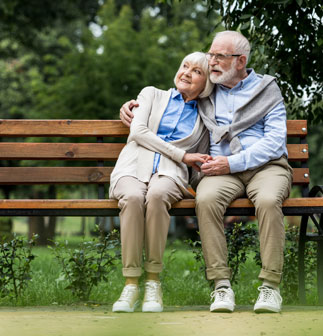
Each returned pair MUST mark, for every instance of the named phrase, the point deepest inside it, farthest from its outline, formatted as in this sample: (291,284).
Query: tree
(286,37)
(23,20)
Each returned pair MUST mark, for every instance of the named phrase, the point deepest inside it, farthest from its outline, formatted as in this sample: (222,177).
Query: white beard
(225,77)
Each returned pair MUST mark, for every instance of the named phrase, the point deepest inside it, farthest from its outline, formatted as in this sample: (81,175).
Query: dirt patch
(100,321)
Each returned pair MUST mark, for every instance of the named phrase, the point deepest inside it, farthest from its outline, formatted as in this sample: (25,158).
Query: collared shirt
(262,142)
(177,122)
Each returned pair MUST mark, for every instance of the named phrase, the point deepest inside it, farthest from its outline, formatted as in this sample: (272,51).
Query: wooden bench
(101,141)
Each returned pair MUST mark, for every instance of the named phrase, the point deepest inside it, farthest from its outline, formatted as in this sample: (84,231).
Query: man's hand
(192,158)
(219,165)
(125,112)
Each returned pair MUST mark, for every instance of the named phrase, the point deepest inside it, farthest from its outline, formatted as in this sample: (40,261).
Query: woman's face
(190,80)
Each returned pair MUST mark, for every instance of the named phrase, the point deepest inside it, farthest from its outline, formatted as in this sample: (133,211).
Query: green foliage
(15,259)
(241,239)
(286,39)
(24,19)
(290,273)
(87,265)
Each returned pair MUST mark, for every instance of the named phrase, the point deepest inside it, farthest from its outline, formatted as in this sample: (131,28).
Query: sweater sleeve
(140,133)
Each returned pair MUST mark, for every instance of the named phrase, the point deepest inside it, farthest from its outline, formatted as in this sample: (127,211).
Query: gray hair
(240,43)
(198,58)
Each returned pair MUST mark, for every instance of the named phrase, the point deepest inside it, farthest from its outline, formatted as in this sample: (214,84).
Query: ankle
(132,281)
(270,284)
(222,283)
(153,276)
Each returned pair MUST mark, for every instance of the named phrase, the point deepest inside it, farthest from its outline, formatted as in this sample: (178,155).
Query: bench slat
(62,128)
(113,204)
(79,128)
(93,151)
(60,151)
(54,175)
(74,175)
(297,128)
(297,152)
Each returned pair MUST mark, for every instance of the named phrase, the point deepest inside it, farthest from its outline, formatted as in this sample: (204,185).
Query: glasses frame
(218,57)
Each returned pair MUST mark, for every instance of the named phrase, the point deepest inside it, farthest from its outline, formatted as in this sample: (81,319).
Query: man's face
(223,71)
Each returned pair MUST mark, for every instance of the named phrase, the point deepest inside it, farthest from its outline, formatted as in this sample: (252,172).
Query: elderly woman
(166,136)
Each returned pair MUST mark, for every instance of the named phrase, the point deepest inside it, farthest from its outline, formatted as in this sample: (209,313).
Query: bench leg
(320,271)
(301,257)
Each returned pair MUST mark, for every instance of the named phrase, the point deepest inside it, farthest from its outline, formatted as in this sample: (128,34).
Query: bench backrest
(99,141)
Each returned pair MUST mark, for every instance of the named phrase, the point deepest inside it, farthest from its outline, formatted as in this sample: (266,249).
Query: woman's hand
(191,159)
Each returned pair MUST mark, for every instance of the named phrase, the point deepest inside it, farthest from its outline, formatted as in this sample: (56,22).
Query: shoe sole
(152,310)
(222,310)
(130,310)
(261,310)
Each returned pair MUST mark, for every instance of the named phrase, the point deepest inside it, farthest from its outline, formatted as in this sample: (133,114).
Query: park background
(83,59)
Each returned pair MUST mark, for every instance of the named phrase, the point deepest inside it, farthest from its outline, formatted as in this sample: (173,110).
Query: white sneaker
(128,300)
(153,302)
(223,300)
(269,300)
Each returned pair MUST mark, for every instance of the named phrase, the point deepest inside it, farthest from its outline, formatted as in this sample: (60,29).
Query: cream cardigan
(137,157)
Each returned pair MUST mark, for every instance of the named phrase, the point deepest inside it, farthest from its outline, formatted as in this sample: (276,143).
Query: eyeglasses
(219,57)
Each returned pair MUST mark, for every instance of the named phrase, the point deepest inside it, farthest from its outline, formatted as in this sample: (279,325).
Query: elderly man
(247,127)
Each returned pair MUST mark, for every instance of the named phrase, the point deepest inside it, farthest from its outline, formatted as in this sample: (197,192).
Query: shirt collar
(177,95)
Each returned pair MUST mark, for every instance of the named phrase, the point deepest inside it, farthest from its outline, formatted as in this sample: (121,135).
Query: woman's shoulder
(153,91)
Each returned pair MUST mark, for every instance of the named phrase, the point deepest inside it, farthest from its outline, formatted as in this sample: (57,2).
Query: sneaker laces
(127,292)
(151,291)
(267,294)
(220,294)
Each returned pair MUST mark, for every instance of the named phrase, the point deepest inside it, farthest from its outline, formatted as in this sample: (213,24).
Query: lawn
(183,280)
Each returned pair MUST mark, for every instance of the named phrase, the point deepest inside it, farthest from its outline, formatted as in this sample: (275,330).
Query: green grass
(183,281)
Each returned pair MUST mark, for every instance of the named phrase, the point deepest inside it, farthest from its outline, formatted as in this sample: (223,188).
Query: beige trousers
(267,187)
(144,221)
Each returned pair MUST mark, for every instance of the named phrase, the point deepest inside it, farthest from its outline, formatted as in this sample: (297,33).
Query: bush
(88,264)
(15,259)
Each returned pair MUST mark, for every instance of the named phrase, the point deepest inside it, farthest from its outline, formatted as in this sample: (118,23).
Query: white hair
(198,58)
(240,43)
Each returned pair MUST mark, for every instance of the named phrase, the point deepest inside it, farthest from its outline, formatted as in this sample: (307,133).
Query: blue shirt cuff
(236,163)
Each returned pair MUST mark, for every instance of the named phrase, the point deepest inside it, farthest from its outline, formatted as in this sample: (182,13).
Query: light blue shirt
(177,122)
(262,142)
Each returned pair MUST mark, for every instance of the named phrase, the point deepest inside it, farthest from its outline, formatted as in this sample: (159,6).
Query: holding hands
(219,165)
(191,159)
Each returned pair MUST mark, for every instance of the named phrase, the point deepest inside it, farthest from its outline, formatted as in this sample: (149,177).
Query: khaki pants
(144,221)
(267,187)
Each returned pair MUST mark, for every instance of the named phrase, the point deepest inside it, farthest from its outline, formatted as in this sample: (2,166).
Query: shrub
(88,264)
(15,259)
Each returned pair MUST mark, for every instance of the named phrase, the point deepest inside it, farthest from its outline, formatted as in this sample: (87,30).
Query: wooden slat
(296,128)
(301,176)
(54,175)
(62,128)
(113,204)
(297,152)
(60,151)
(75,175)
(79,128)
(93,151)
